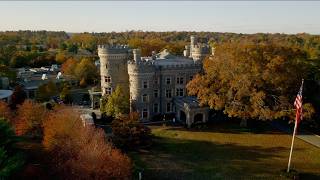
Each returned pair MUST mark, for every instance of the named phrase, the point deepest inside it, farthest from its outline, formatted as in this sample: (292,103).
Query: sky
(105,16)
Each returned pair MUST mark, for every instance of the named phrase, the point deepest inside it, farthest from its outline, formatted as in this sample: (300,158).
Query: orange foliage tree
(81,152)
(30,116)
(5,111)
(69,66)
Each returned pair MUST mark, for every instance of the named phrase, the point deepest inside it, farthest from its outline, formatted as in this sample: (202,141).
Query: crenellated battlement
(113,49)
(151,66)
(140,67)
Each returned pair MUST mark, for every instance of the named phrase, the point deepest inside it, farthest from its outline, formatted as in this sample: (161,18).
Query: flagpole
(294,134)
(295,131)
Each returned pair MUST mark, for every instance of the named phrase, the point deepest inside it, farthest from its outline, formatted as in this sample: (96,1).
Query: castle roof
(164,58)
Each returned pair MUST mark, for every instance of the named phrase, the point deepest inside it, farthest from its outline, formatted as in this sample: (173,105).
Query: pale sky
(105,16)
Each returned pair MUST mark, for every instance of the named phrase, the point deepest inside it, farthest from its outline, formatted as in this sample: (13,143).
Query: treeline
(148,41)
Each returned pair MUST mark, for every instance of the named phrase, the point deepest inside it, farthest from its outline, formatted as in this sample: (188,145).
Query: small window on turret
(108,91)
(107,79)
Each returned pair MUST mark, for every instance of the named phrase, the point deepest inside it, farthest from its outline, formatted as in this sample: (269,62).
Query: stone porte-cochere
(189,112)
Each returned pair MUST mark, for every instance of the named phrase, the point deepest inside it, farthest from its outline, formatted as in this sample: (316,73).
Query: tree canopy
(251,80)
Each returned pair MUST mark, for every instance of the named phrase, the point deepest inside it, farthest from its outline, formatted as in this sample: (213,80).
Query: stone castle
(156,85)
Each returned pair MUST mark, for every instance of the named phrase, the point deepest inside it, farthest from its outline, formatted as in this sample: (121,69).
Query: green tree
(73,48)
(10,160)
(6,72)
(46,91)
(65,95)
(117,103)
(251,81)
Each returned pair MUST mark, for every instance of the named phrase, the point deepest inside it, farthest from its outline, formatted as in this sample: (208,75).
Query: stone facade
(153,82)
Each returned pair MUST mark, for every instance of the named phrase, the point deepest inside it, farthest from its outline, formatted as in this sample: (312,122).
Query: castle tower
(193,40)
(141,78)
(198,51)
(113,68)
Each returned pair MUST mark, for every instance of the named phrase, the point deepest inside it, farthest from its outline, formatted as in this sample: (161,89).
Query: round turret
(113,68)
(136,55)
(193,40)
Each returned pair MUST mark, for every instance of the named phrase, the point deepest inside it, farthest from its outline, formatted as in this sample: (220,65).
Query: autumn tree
(86,71)
(5,111)
(61,57)
(129,132)
(251,81)
(81,152)
(116,104)
(68,67)
(30,116)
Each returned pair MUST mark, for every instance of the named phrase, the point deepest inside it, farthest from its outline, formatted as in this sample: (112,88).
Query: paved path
(303,135)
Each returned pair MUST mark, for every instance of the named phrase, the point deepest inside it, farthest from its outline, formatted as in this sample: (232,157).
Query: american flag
(298,105)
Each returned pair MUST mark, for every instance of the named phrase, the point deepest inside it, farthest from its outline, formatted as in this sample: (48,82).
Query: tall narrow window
(144,98)
(179,92)
(155,92)
(156,108)
(179,80)
(169,107)
(168,80)
(168,93)
(145,113)
(145,84)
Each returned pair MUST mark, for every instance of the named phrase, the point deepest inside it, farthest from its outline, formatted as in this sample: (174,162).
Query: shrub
(129,132)
(80,152)
(9,163)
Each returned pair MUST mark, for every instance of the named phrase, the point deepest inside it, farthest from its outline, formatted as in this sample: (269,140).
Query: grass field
(224,152)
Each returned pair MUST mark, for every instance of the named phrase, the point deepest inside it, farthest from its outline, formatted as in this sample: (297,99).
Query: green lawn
(224,151)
